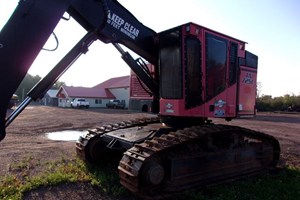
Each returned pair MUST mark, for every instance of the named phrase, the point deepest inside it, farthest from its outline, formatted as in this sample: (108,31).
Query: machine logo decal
(220,103)
(121,25)
(169,107)
(248,78)
(219,113)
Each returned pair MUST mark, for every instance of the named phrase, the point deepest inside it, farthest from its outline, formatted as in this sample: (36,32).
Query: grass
(283,185)
(61,171)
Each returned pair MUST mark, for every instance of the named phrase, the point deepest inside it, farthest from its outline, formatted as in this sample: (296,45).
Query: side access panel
(247,85)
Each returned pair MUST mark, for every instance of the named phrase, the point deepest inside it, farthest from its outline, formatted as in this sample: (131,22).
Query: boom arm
(28,29)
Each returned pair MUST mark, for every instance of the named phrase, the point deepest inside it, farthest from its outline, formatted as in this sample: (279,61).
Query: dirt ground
(26,138)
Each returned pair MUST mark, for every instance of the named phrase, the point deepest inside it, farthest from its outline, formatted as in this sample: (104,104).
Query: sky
(271,29)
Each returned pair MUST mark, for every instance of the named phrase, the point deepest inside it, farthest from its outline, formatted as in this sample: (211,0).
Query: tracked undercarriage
(161,161)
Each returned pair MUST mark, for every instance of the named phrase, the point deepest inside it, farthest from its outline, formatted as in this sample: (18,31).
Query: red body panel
(247,91)
(224,106)
(238,95)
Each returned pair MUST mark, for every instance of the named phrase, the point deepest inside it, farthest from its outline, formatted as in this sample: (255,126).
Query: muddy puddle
(67,135)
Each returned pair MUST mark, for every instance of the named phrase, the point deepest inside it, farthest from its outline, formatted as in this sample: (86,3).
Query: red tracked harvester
(202,74)
(197,74)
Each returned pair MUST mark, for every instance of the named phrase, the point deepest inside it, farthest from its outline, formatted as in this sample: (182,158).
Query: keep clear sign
(121,25)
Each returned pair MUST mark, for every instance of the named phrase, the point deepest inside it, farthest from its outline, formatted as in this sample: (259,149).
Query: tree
(29,82)
(263,103)
(277,103)
(283,103)
(292,102)
(58,84)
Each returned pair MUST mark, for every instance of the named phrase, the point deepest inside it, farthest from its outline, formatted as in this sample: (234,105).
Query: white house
(50,98)
(119,87)
(99,95)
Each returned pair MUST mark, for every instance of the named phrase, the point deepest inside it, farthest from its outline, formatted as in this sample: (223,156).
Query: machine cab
(204,73)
